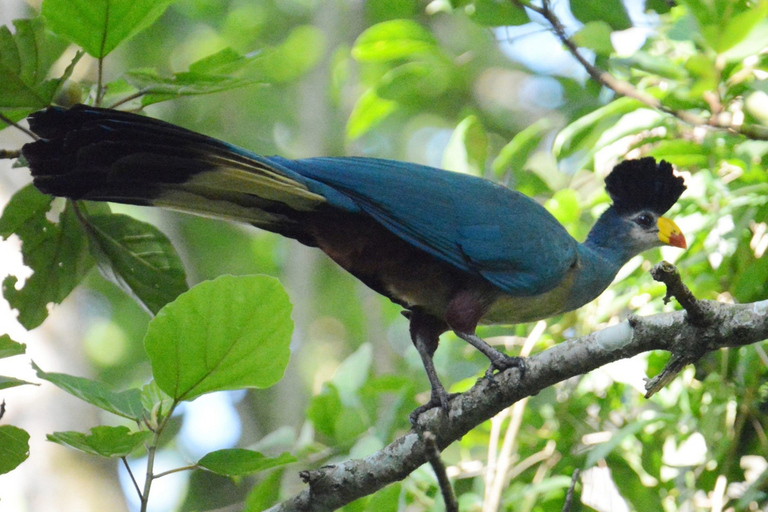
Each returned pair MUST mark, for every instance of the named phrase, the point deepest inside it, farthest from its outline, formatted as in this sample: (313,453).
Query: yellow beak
(670,234)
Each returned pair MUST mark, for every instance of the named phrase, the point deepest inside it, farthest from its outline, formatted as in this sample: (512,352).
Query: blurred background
(483,79)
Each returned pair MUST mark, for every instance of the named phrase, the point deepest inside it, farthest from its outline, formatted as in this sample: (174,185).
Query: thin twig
(9,154)
(433,456)
(499,475)
(569,496)
(100,85)
(626,89)
(2,409)
(137,94)
(130,473)
(16,125)
(699,313)
(151,451)
(176,470)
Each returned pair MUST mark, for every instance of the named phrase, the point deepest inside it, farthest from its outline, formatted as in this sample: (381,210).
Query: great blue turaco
(453,250)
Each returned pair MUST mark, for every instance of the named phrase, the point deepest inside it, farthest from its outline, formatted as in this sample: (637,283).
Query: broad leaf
(98,26)
(123,403)
(56,253)
(298,53)
(12,382)
(369,110)
(467,149)
(229,333)
(602,450)
(237,461)
(157,404)
(324,409)
(25,60)
(218,72)
(14,447)
(595,35)
(725,24)
(265,493)
(415,80)
(103,440)
(138,258)
(496,14)
(157,88)
(583,134)
(514,155)
(9,348)
(611,12)
(391,40)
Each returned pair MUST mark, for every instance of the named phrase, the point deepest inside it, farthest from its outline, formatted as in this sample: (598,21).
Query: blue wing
(471,223)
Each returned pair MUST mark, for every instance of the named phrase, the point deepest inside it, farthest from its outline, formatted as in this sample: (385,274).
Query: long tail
(108,155)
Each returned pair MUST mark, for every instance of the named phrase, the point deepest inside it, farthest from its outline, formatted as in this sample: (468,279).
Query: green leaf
(237,461)
(467,149)
(25,60)
(602,450)
(14,447)
(387,499)
(414,80)
(157,404)
(682,153)
(515,154)
(564,206)
(99,26)
(659,6)
(369,110)
(298,53)
(157,88)
(587,135)
(221,71)
(393,40)
(726,23)
(352,374)
(595,35)
(12,382)
(56,253)
(324,409)
(137,257)
(9,348)
(103,440)
(611,12)
(264,494)
(229,333)
(657,64)
(752,44)
(495,13)
(123,403)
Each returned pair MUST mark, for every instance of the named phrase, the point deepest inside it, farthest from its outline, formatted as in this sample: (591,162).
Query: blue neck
(601,257)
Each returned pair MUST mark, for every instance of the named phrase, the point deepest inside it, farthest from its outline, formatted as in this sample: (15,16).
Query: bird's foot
(503,362)
(440,398)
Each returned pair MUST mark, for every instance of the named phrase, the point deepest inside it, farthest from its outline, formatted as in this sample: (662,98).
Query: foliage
(447,85)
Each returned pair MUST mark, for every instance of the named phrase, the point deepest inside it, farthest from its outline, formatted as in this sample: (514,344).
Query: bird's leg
(425,334)
(464,313)
(499,360)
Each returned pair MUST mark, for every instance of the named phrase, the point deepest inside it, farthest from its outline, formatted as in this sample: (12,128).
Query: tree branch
(331,487)
(627,89)
(433,455)
(16,125)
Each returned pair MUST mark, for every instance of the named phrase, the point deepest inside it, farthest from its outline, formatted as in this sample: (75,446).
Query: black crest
(643,184)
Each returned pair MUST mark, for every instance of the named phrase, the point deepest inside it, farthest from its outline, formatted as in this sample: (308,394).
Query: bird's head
(642,191)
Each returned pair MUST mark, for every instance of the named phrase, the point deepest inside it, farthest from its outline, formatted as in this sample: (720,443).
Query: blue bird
(453,250)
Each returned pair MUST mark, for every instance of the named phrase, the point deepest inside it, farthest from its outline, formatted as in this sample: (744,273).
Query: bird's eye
(644,220)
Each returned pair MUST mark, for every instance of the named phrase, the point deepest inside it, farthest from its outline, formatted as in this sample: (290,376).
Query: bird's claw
(440,399)
(503,363)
